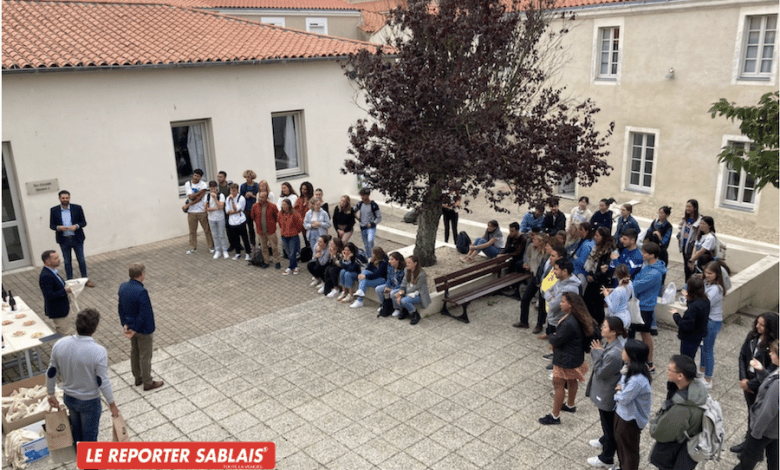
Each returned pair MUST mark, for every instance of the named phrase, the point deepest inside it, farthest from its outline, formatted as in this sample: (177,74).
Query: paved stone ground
(339,388)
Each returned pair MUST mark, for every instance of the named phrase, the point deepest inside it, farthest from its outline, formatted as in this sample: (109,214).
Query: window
(288,143)
(641,160)
(192,149)
(317,25)
(609,53)
(273,20)
(739,189)
(759,47)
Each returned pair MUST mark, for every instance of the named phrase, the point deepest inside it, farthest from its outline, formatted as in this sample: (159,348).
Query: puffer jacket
(679,414)
(568,352)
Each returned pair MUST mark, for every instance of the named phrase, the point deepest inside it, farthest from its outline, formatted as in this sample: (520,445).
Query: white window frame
(208,149)
(627,157)
(317,22)
(300,144)
(600,25)
(723,173)
(273,20)
(758,79)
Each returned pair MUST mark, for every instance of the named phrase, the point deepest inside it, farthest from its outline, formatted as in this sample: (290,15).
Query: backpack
(257,258)
(463,242)
(708,444)
(374,208)
(411,217)
(719,250)
(305,254)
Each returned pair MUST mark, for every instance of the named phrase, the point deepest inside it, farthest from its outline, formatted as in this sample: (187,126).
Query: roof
(63,34)
(380,6)
(283,4)
(372,22)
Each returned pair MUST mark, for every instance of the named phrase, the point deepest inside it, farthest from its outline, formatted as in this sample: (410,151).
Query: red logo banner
(176,455)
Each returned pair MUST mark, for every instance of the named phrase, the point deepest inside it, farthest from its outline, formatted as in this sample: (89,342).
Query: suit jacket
(77,218)
(55,300)
(135,307)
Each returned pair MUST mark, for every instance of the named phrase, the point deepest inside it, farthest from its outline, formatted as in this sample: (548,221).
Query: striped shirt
(82,364)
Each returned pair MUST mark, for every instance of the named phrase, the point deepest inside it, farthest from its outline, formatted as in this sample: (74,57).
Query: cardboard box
(10,388)
(35,450)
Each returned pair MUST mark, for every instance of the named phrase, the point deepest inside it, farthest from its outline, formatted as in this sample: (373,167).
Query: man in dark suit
(68,221)
(56,304)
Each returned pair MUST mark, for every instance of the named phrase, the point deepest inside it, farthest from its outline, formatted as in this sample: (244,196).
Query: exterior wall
(699,41)
(106,137)
(340,24)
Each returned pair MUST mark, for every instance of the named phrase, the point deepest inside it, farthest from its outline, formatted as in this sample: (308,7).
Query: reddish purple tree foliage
(463,105)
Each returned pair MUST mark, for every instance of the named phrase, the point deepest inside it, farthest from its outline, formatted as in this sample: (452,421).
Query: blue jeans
(219,235)
(292,245)
(368,238)
(347,278)
(78,247)
(409,303)
(490,252)
(708,347)
(84,418)
(365,283)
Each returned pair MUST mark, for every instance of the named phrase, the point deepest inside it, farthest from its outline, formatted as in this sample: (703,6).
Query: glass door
(16,253)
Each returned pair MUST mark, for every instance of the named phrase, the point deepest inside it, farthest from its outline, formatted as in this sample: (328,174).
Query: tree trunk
(427,225)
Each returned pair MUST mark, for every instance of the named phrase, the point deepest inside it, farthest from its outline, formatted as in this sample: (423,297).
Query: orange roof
(54,34)
(283,4)
(380,6)
(372,22)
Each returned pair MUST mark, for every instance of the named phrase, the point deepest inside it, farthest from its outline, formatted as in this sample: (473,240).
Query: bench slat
(492,286)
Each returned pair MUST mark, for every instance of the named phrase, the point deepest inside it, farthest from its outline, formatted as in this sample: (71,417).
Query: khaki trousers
(193,218)
(64,325)
(271,240)
(141,357)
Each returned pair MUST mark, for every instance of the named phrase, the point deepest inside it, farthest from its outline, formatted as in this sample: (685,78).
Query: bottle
(11,301)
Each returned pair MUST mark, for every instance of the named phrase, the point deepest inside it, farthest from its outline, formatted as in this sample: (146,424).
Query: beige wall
(106,137)
(340,24)
(698,40)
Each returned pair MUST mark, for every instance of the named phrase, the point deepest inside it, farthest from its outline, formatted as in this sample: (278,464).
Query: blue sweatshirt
(647,284)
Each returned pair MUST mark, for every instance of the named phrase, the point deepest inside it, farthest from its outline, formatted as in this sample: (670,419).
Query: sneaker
(569,409)
(360,293)
(651,367)
(296,272)
(238,256)
(278,266)
(549,419)
(597,462)
(333,293)
(357,303)
(286,272)
(225,255)
(551,377)
(596,443)
(321,290)
(314,282)
(547,356)
(211,250)
(347,299)
(320,285)
(248,257)
(191,251)
(216,255)
(341,295)
(396,313)
(707,384)
(379,310)
(549,366)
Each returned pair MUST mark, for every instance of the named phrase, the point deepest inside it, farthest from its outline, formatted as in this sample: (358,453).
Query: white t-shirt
(291,197)
(190,188)
(578,216)
(212,202)
(706,241)
(238,218)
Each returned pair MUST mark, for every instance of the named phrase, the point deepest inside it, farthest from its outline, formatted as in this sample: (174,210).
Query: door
(16,253)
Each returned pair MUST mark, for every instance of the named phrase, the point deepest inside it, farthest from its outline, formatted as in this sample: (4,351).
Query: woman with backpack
(395,276)
(706,245)
(569,343)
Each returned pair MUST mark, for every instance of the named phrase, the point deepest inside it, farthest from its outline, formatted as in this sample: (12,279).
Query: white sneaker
(321,290)
(211,250)
(216,255)
(347,299)
(225,255)
(379,310)
(707,384)
(595,443)
(314,282)
(596,462)
(190,252)
(286,272)
(396,313)
(248,257)
(332,293)
(360,293)
(341,295)
(320,285)
(357,303)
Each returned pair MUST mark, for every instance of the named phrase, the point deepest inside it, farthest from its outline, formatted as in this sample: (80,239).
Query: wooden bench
(495,266)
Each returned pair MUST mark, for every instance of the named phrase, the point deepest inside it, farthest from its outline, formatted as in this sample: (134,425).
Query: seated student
(554,220)
(603,216)
(333,271)
(680,416)
(533,219)
(373,275)
(350,268)
(491,243)
(631,256)
(319,261)
(515,246)
(413,291)
(581,213)
(395,276)
(626,221)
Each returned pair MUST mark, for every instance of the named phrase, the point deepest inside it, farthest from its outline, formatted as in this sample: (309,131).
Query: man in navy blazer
(68,221)
(56,304)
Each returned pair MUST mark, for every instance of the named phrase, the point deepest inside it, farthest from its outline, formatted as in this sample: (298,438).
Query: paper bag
(119,430)
(58,433)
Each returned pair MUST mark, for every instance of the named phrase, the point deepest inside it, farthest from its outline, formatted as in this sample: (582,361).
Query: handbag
(58,432)
(118,428)
(633,309)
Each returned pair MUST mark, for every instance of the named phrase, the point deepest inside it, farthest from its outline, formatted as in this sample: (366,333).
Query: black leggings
(450,218)
(331,277)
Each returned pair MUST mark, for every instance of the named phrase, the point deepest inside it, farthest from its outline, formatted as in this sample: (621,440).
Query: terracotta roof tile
(57,34)
(380,6)
(372,22)
(284,4)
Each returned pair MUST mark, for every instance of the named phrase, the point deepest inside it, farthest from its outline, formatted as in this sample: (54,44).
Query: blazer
(55,300)
(76,217)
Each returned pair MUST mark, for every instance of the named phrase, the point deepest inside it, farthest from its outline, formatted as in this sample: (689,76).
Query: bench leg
(463,317)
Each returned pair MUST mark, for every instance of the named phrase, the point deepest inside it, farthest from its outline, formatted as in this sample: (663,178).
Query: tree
(761,124)
(461,104)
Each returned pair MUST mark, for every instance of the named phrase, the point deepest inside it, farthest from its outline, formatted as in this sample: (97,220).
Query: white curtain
(290,144)
(196,148)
